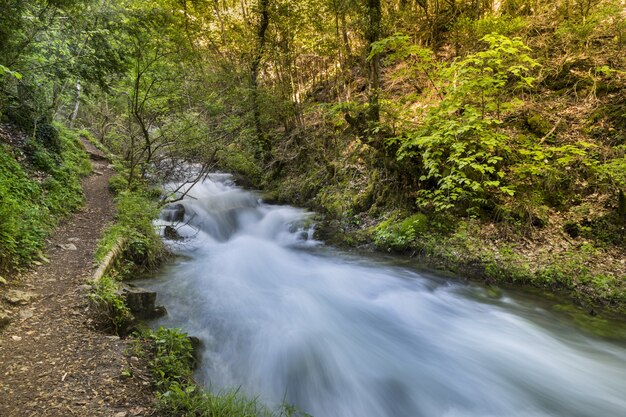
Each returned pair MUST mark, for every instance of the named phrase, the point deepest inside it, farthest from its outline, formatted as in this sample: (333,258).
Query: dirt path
(52,362)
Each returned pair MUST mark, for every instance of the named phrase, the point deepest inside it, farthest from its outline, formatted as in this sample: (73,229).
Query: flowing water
(284,317)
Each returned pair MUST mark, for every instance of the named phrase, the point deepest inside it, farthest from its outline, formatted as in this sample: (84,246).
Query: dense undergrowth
(39,185)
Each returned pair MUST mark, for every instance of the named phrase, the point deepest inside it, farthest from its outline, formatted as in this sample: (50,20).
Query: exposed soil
(52,360)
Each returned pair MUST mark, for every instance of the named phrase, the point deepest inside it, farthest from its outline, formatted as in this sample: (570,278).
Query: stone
(68,246)
(73,239)
(26,314)
(171,233)
(141,302)
(196,346)
(18,297)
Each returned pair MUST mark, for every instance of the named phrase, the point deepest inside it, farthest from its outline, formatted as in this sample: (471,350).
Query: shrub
(460,144)
(398,235)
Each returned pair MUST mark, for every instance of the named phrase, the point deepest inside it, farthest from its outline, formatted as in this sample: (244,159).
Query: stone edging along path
(52,360)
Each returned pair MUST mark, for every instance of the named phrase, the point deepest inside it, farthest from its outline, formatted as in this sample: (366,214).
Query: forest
(460,242)
(487,136)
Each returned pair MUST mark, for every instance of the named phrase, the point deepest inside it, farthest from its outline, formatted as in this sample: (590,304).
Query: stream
(282,316)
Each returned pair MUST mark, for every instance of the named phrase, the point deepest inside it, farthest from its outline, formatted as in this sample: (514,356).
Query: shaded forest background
(480,134)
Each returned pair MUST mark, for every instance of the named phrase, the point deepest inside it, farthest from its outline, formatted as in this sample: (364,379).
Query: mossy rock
(538,124)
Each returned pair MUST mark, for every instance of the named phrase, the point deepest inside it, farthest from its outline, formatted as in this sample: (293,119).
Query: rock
(73,239)
(3,281)
(160,311)
(141,302)
(173,213)
(16,338)
(171,233)
(18,297)
(196,345)
(68,246)
(5,319)
(26,314)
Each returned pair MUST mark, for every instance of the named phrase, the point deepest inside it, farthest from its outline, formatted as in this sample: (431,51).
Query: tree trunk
(621,205)
(263,143)
(373,35)
(76,104)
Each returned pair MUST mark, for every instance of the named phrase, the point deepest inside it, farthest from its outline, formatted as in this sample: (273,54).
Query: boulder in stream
(171,233)
(141,302)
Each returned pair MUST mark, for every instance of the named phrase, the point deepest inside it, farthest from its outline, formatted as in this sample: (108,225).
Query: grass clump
(171,359)
(111,310)
(38,186)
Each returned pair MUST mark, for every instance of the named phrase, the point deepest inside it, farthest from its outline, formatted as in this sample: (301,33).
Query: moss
(592,323)
(538,124)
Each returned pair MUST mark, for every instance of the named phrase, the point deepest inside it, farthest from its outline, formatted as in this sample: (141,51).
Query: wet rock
(171,233)
(141,302)
(17,297)
(196,345)
(173,213)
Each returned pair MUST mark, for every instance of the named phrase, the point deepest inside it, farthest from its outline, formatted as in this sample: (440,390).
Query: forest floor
(53,362)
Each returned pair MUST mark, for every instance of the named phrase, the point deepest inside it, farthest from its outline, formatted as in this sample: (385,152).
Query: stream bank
(589,273)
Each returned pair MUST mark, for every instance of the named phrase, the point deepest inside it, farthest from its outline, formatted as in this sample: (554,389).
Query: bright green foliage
(172,354)
(461,145)
(29,209)
(400,235)
(4,70)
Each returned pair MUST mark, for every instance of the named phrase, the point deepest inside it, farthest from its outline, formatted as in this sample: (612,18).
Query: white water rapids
(338,335)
